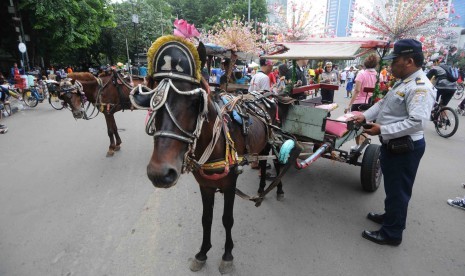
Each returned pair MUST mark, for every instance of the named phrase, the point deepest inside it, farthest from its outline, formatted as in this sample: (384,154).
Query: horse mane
(82,76)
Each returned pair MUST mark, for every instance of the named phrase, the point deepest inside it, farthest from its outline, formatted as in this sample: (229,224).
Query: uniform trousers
(399,171)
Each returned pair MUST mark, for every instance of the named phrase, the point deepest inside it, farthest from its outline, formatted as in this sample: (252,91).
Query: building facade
(339,17)
(459,7)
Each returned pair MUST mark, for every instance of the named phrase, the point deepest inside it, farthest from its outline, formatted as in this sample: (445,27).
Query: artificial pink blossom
(183,29)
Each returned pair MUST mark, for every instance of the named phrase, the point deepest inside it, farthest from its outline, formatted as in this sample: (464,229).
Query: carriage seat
(338,127)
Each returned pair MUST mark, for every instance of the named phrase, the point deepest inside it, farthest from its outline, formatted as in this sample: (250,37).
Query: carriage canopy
(325,48)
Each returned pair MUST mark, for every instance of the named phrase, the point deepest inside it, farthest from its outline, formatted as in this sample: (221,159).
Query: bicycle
(445,119)
(5,107)
(459,92)
(50,88)
(31,96)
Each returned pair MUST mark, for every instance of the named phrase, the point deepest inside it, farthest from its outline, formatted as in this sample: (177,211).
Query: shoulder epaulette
(419,81)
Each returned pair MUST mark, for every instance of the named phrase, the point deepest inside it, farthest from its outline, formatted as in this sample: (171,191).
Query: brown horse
(109,93)
(186,121)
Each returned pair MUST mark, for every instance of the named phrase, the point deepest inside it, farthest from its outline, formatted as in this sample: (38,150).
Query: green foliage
(66,25)
(155,19)
(204,14)
(95,31)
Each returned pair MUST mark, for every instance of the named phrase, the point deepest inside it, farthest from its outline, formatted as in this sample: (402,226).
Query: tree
(63,27)
(300,26)
(205,14)
(394,20)
(154,19)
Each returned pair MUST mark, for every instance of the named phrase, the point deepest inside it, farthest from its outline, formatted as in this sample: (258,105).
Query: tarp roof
(325,48)
(317,51)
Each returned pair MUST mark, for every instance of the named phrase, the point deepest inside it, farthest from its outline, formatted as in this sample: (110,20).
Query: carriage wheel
(370,173)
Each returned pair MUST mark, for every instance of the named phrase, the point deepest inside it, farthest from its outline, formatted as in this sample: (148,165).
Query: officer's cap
(405,47)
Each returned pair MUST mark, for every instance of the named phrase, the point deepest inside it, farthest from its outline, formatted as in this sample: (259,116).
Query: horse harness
(118,81)
(244,106)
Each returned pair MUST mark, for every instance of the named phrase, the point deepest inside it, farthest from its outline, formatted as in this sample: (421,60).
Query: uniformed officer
(399,123)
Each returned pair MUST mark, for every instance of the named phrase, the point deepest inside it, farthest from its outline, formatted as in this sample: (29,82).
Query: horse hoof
(196,265)
(280,197)
(117,148)
(110,153)
(226,267)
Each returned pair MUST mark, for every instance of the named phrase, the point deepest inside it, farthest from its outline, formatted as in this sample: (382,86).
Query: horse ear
(202,54)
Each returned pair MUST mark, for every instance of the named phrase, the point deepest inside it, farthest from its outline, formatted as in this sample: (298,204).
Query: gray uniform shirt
(404,108)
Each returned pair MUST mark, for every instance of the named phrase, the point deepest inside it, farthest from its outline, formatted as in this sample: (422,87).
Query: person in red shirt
(272,76)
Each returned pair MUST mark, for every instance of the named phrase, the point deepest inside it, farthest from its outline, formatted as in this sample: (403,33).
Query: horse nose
(78,114)
(162,176)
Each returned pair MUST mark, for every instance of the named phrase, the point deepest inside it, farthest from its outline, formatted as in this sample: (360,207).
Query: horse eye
(69,95)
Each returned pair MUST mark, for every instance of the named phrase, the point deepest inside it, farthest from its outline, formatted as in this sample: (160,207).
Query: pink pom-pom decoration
(183,29)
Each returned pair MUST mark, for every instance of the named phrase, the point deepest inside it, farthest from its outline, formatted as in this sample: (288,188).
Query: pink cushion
(336,128)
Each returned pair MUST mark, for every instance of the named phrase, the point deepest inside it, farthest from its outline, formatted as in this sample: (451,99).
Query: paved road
(66,209)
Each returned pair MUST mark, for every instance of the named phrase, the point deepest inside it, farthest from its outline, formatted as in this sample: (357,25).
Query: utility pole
(248,15)
(135,20)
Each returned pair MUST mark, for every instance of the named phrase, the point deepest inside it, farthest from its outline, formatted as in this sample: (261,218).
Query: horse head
(70,93)
(179,106)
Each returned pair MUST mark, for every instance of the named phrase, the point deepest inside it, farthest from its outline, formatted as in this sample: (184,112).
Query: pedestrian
(350,82)
(446,88)
(260,81)
(343,77)
(281,84)
(458,202)
(400,118)
(218,72)
(328,77)
(360,100)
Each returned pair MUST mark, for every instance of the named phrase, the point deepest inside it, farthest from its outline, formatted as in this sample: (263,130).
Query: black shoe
(378,218)
(379,238)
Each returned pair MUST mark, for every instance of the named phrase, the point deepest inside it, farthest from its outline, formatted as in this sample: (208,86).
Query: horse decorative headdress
(174,57)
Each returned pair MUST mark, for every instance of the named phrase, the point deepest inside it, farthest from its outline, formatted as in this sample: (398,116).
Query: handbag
(367,105)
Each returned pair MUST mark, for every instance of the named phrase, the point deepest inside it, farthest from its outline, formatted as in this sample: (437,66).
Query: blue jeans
(399,171)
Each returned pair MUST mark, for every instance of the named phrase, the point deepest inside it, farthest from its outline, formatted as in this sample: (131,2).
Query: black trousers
(399,171)
(327,96)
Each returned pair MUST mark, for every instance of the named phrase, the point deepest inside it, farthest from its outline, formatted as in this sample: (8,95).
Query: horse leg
(116,133)
(262,166)
(279,191)
(110,130)
(208,202)
(226,265)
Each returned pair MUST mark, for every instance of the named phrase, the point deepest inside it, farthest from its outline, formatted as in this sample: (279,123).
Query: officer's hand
(358,118)
(372,129)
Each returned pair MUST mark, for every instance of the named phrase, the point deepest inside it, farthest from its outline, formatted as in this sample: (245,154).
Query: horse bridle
(159,97)
(76,88)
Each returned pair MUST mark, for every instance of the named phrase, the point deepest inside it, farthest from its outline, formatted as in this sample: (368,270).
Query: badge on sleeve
(419,81)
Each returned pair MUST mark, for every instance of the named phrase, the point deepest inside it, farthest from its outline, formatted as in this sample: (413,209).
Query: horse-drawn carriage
(309,120)
(214,134)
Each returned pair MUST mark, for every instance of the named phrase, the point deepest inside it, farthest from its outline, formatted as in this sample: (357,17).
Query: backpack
(450,76)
